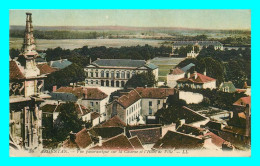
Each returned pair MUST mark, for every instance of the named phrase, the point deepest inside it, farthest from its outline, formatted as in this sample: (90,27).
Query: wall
(190,97)
(210,85)
(145,106)
(171,79)
(133,111)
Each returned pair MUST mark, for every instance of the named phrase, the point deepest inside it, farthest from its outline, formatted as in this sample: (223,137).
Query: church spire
(29,47)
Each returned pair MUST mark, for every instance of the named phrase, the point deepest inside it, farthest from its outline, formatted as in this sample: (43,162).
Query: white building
(173,76)
(192,53)
(116,72)
(197,81)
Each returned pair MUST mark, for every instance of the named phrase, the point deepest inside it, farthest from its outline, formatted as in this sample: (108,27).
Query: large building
(216,44)
(25,95)
(116,72)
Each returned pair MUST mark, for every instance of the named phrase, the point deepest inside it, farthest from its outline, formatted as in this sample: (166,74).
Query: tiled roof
(94,115)
(106,132)
(243,101)
(189,115)
(136,142)
(200,79)
(148,135)
(14,71)
(87,93)
(216,140)
(201,43)
(176,71)
(119,142)
(242,115)
(152,66)
(60,64)
(127,100)
(189,129)
(119,63)
(48,108)
(156,93)
(114,121)
(177,140)
(82,140)
(45,69)
(94,94)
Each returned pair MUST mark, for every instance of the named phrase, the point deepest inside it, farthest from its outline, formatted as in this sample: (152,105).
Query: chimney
(188,75)
(72,136)
(231,114)
(145,86)
(54,88)
(99,141)
(205,73)
(124,131)
(195,75)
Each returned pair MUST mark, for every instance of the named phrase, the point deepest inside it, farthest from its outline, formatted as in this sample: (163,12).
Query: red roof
(94,115)
(136,142)
(156,93)
(94,94)
(127,100)
(115,122)
(119,142)
(243,101)
(45,69)
(176,71)
(216,140)
(147,135)
(200,79)
(14,71)
(82,140)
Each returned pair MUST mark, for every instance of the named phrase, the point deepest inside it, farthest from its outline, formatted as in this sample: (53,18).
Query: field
(165,64)
(43,44)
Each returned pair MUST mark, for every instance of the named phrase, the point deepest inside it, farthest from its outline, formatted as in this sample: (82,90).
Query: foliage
(141,80)
(14,53)
(71,74)
(67,121)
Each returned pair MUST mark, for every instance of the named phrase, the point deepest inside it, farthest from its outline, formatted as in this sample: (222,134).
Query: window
(96,81)
(96,74)
(112,74)
(128,74)
(92,104)
(91,74)
(123,74)
(150,103)
(127,112)
(158,102)
(133,73)
(102,73)
(117,74)
(91,81)
(107,74)
(150,111)
(96,103)
(86,81)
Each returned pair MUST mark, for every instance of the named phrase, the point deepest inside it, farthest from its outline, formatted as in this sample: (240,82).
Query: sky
(203,19)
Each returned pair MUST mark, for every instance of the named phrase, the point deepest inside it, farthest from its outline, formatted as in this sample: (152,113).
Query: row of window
(133,117)
(133,108)
(106,83)
(107,74)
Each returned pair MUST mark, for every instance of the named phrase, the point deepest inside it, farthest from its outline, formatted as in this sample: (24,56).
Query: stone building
(116,72)
(173,76)
(25,95)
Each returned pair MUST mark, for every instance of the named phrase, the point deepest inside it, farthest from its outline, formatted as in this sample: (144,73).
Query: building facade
(116,72)
(25,95)
(173,76)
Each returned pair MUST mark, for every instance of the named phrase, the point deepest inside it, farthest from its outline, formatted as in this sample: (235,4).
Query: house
(60,64)
(173,76)
(243,101)
(92,98)
(147,135)
(116,72)
(197,81)
(153,99)
(114,122)
(227,87)
(127,107)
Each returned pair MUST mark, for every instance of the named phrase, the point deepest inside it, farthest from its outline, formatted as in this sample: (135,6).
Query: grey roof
(201,43)
(186,68)
(230,85)
(121,63)
(152,66)
(60,64)
(40,59)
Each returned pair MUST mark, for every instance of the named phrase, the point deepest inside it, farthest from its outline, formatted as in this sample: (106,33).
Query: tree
(141,80)
(67,121)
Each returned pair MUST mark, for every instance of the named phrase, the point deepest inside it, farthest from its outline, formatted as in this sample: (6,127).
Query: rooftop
(176,71)
(136,142)
(123,63)
(45,69)
(156,93)
(187,67)
(129,99)
(201,43)
(114,121)
(60,64)
(243,101)
(200,79)
(14,71)
(147,135)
